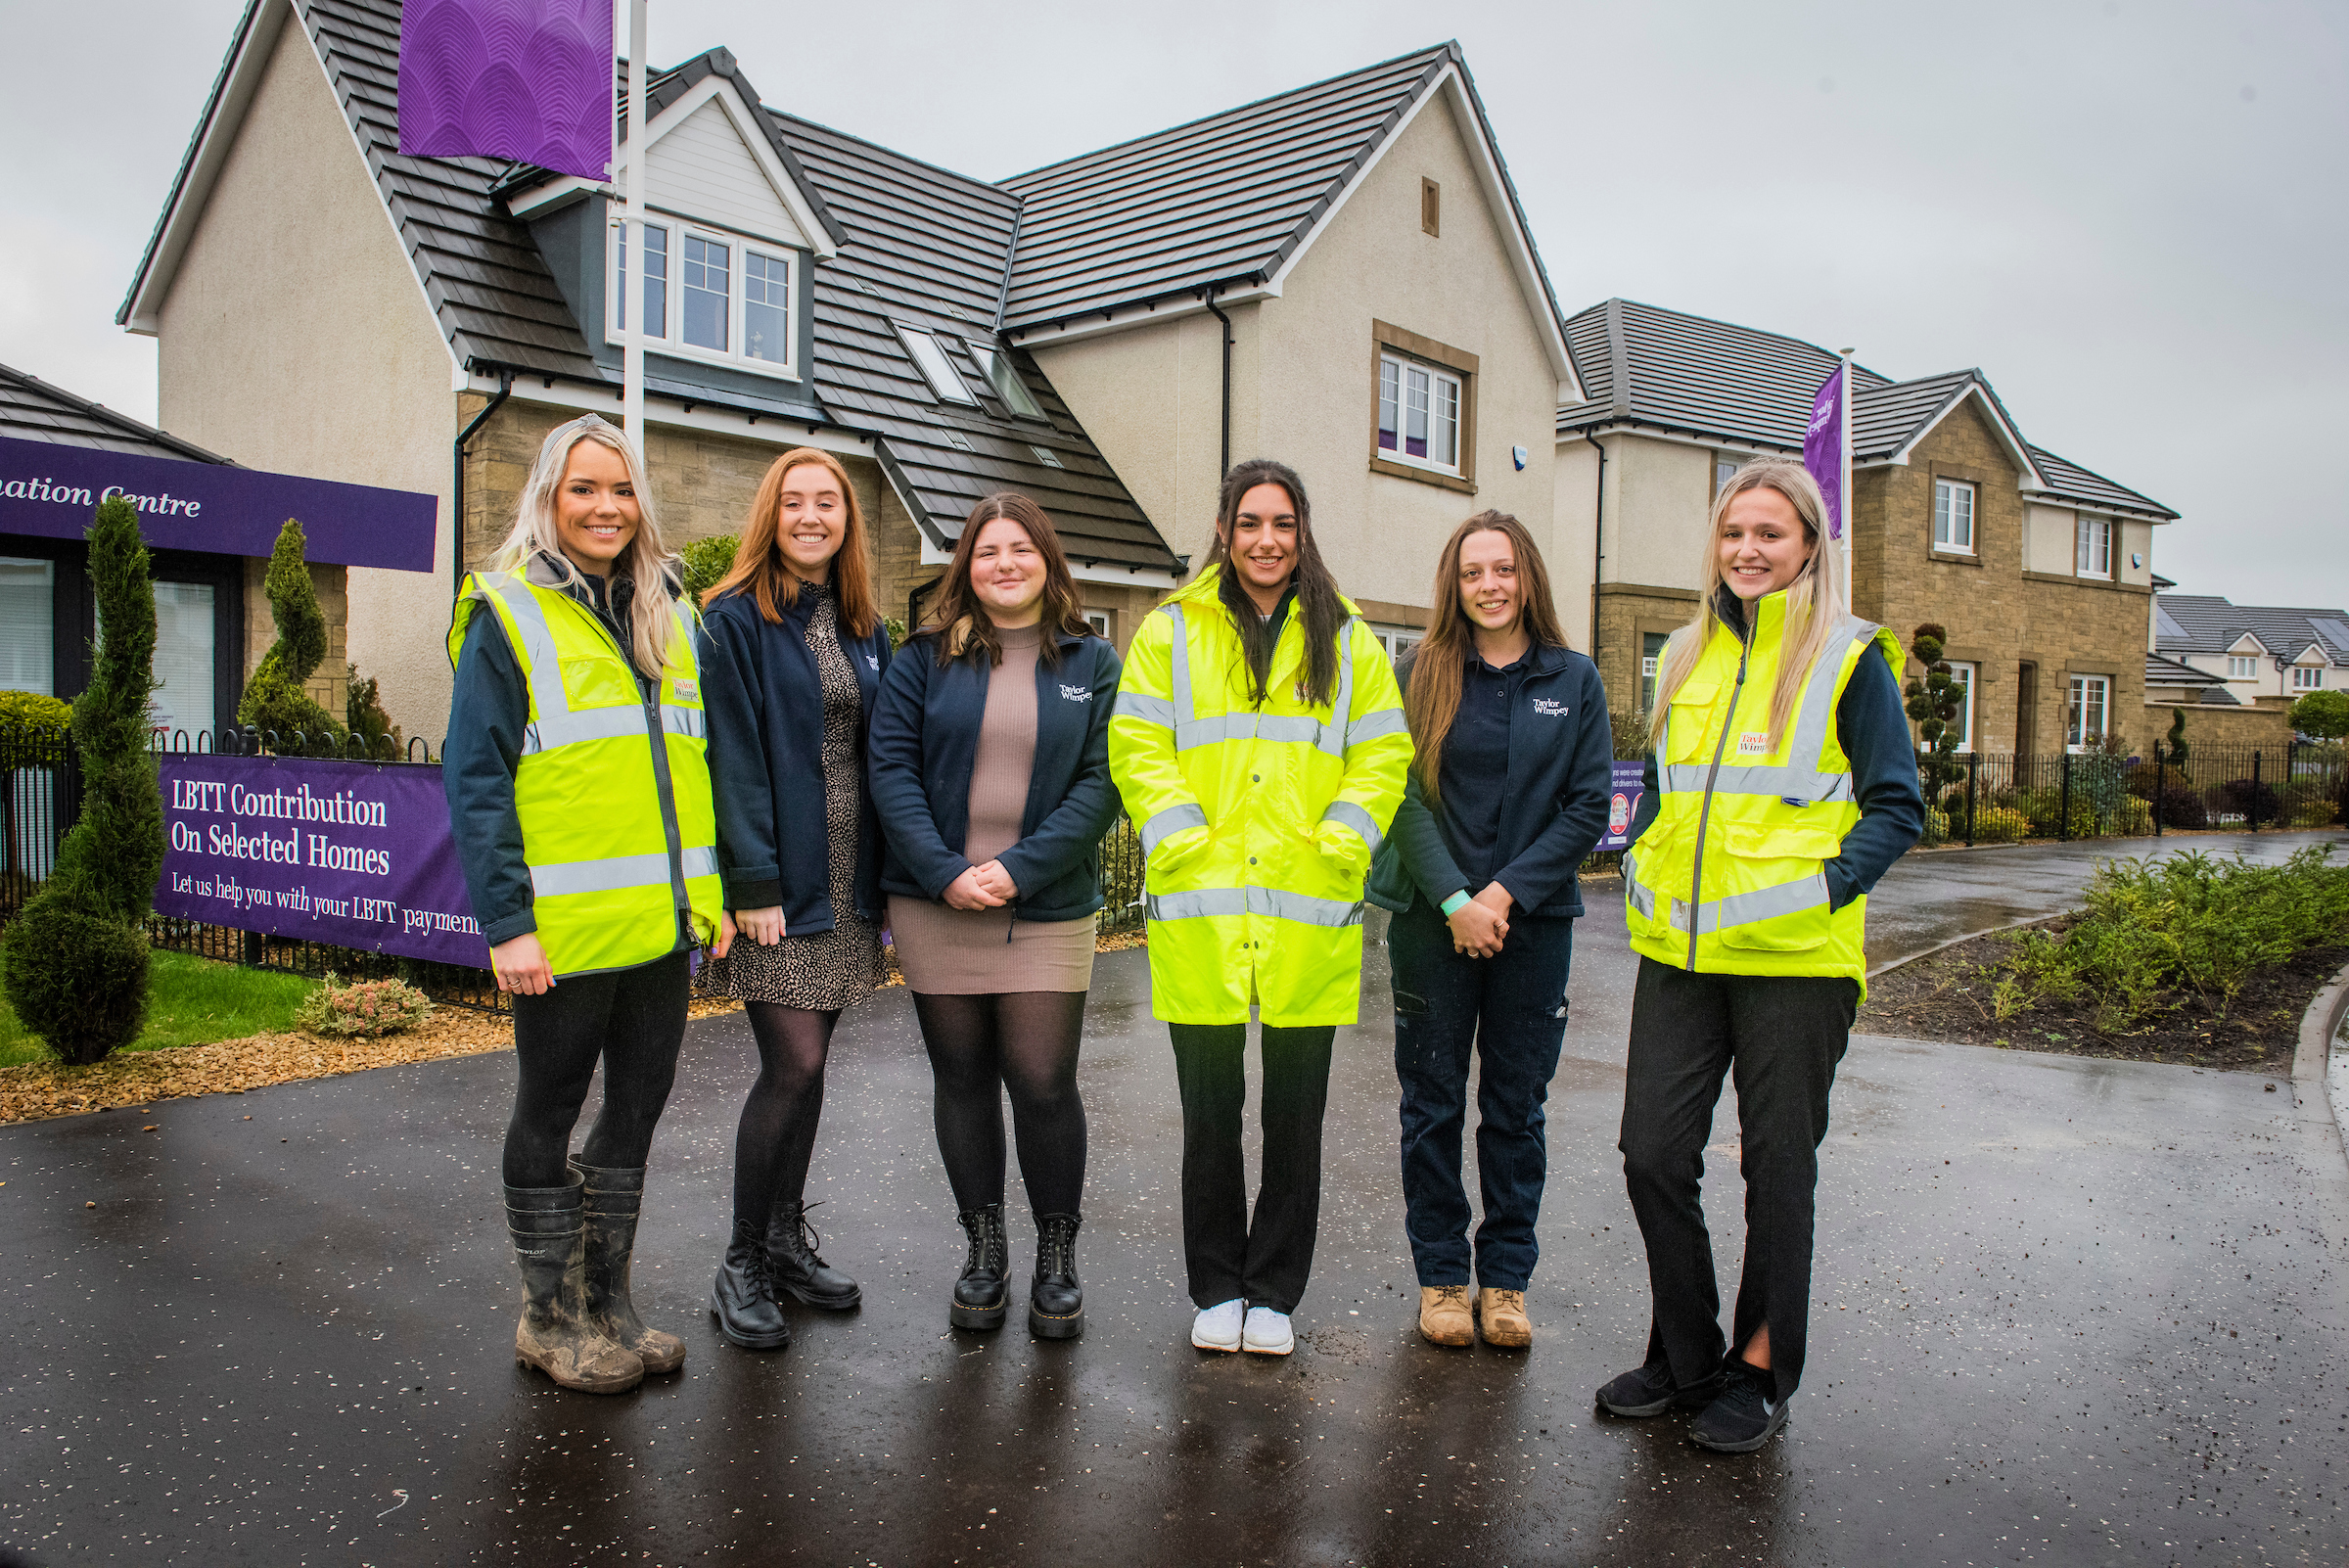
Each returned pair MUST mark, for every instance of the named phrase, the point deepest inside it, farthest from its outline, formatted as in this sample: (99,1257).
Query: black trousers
(1783,1036)
(1226,1254)
(630,1020)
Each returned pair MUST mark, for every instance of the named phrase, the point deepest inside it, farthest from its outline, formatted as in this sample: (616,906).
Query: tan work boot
(1443,1315)
(1504,1324)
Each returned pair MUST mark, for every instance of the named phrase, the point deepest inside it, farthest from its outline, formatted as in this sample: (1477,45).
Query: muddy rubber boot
(1056,1297)
(984,1292)
(556,1335)
(741,1297)
(791,1243)
(614,1198)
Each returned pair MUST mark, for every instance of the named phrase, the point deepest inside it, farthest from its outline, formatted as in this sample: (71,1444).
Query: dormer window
(733,302)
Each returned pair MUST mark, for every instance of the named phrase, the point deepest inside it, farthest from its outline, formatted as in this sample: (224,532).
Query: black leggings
(1026,1042)
(776,1135)
(634,1020)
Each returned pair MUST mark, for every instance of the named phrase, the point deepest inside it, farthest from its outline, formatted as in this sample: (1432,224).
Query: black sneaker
(1651,1391)
(1744,1418)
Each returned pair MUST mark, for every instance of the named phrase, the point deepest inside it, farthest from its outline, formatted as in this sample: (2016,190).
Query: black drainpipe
(1217,311)
(456,533)
(1598,539)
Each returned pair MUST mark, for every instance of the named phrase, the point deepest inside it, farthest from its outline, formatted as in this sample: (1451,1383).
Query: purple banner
(52,490)
(1822,448)
(1622,804)
(525,79)
(349,854)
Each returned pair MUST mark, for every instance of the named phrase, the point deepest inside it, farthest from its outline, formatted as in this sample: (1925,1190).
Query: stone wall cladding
(2262,725)
(330,687)
(1626,614)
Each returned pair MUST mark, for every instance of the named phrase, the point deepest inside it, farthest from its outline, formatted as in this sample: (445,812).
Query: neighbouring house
(329,306)
(2240,668)
(2039,569)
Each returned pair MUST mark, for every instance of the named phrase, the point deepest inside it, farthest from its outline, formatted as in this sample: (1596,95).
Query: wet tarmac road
(2068,1311)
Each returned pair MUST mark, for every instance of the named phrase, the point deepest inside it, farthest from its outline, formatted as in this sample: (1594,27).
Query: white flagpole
(1844,443)
(631,383)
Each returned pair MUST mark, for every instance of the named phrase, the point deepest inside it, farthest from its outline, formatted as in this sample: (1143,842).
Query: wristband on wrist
(1452,905)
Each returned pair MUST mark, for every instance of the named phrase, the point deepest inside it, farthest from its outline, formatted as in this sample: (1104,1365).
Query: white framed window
(1104,624)
(936,369)
(712,296)
(2308,677)
(1651,660)
(1004,378)
(1953,516)
(1962,686)
(184,629)
(2086,714)
(1418,414)
(28,625)
(1397,640)
(2242,667)
(2093,554)
(1725,469)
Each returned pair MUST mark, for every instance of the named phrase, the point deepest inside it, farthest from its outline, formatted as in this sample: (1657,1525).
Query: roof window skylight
(1046,456)
(1002,374)
(937,368)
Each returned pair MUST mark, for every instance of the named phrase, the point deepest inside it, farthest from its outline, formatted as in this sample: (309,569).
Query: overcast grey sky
(2131,215)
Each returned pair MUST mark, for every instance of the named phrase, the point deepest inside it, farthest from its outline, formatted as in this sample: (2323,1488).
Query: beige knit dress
(946,951)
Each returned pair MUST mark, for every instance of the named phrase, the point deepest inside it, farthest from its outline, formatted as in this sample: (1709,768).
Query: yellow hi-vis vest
(1257,822)
(612,789)
(1729,878)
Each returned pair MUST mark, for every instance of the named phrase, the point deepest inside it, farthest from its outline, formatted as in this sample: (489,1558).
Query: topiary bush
(1933,702)
(76,972)
(275,699)
(703,562)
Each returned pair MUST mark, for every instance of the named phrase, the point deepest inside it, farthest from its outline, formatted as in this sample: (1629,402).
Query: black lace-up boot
(791,1243)
(984,1292)
(1056,1298)
(743,1299)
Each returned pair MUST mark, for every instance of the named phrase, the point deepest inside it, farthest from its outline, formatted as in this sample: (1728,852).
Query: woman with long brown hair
(792,651)
(991,767)
(1508,794)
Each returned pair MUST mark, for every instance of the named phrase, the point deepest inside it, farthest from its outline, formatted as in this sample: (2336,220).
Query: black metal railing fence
(2006,797)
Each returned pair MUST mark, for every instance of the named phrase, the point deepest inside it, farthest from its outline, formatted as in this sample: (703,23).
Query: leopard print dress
(824,970)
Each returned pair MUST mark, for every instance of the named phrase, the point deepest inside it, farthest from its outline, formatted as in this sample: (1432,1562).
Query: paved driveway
(2068,1311)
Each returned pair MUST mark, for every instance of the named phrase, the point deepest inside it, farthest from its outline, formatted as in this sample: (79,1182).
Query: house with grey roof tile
(1341,276)
(2226,659)
(2041,569)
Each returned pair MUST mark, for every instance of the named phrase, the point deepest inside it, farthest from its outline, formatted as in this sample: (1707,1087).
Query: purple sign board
(524,79)
(1822,448)
(51,490)
(1623,803)
(349,854)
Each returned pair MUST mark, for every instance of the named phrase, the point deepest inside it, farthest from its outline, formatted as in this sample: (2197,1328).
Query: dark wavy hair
(1318,606)
(958,623)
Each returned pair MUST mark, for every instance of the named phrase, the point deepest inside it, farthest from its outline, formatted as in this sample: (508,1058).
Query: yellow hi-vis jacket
(1257,822)
(612,789)
(1729,878)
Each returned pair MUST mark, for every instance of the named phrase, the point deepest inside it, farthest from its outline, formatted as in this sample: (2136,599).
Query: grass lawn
(191,1001)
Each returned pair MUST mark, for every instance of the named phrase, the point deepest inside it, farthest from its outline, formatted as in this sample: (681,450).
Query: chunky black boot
(742,1298)
(556,1334)
(983,1291)
(615,1199)
(791,1243)
(1056,1298)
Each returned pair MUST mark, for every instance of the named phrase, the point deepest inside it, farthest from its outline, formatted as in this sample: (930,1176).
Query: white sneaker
(1268,1332)
(1217,1327)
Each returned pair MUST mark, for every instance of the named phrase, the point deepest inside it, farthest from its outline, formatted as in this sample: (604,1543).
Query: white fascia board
(1120,576)
(2103,509)
(781,431)
(240,78)
(2031,478)
(537,198)
(1497,195)
(2257,646)
(1646,432)
(1129,318)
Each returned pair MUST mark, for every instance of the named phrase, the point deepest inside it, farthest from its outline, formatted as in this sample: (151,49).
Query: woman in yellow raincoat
(1260,746)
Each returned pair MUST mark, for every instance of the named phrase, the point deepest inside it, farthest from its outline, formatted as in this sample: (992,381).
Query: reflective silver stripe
(1341,711)
(687,721)
(1149,710)
(1277,903)
(1800,779)
(561,728)
(1377,724)
(1354,816)
(1763,903)
(1788,783)
(699,861)
(1635,892)
(537,647)
(1186,712)
(610,875)
(1173,819)
(1302,729)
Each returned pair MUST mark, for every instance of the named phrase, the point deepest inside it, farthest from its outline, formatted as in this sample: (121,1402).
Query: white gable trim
(2008,435)
(1520,244)
(2257,646)
(743,118)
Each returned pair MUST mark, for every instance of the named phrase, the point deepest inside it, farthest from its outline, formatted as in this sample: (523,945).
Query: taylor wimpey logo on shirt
(1550,709)
(1076,694)
(688,691)
(874,660)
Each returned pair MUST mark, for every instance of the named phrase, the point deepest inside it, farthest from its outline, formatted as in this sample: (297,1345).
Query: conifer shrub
(276,702)
(704,562)
(372,731)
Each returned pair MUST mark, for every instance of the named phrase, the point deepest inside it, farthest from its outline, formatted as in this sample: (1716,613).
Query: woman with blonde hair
(580,799)
(990,765)
(1506,795)
(1781,786)
(792,651)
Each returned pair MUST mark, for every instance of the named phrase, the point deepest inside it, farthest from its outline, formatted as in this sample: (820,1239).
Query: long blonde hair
(1815,600)
(646,560)
(1436,665)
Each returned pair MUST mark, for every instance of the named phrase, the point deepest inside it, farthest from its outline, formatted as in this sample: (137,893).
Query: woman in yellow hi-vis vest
(1781,786)
(1260,746)
(581,803)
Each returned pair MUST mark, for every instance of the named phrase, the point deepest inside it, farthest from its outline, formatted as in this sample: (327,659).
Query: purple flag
(525,79)
(1822,448)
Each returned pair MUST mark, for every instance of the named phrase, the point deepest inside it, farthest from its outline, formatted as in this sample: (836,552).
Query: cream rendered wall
(1659,495)
(295,338)
(2050,539)
(1574,512)
(2134,539)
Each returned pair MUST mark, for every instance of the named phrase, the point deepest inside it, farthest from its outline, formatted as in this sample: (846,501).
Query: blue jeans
(1512,1009)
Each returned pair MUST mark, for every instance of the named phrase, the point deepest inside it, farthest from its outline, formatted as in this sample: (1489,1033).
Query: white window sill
(708,357)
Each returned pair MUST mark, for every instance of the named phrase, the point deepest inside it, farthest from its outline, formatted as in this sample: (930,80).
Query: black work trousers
(632,1021)
(1225,1253)
(1783,1036)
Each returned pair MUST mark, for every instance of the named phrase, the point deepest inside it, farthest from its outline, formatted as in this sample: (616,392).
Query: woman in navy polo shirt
(1507,796)
(989,759)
